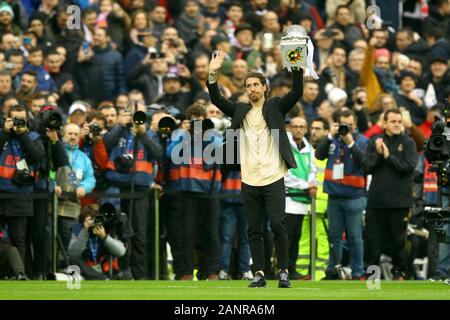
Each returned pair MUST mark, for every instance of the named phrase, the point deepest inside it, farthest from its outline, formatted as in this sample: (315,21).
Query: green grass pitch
(222,290)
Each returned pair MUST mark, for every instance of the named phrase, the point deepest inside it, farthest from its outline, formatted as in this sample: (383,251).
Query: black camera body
(95,129)
(52,119)
(124,163)
(437,153)
(19,122)
(438,145)
(343,130)
(107,217)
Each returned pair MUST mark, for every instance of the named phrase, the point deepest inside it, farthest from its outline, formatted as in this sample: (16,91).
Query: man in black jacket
(266,156)
(55,157)
(20,152)
(390,158)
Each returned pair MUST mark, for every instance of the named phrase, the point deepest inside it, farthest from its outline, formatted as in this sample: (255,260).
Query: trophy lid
(294,31)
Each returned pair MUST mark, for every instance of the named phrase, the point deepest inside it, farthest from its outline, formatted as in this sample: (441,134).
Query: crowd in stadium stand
(91,92)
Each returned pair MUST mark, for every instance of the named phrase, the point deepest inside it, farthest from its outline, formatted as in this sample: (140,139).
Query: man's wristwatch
(212,77)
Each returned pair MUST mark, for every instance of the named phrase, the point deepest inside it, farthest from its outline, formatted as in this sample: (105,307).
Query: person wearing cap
(7,20)
(323,43)
(140,50)
(408,98)
(37,26)
(376,76)
(174,98)
(244,48)
(77,113)
(220,42)
(263,166)
(438,76)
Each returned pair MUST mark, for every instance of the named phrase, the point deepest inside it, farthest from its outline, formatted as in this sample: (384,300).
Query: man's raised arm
(217,99)
(288,101)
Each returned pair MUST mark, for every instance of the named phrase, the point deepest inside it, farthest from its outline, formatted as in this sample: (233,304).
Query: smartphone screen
(85,46)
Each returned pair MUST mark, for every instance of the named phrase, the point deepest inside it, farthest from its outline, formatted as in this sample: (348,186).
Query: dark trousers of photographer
(139,218)
(39,229)
(200,232)
(16,214)
(10,261)
(87,272)
(386,226)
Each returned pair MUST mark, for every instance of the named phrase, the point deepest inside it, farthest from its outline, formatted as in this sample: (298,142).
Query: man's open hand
(216,61)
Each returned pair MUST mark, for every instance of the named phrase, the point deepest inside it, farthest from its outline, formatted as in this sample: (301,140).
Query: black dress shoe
(284,280)
(258,281)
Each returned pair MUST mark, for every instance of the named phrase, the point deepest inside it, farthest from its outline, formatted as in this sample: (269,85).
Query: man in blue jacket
(77,178)
(110,63)
(132,155)
(20,151)
(345,184)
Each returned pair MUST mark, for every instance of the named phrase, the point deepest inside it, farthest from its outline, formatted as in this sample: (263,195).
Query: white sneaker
(247,275)
(223,275)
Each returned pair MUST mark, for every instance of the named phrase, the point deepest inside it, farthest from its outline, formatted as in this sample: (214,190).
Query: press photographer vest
(193,175)
(143,169)
(232,185)
(8,162)
(353,184)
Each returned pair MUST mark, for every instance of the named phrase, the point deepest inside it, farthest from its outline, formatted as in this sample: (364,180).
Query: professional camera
(139,117)
(438,145)
(343,129)
(221,124)
(166,126)
(19,122)
(437,152)
(107,216)
(124,163)
(95,129)
(52,119)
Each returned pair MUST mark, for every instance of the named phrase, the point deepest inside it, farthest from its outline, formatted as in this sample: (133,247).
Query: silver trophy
(297,50)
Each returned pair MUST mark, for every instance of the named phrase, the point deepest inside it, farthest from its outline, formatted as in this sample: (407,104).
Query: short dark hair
(235,3)
(325,123)
(90,210)
(30,73)
(388,112)
(347,113)
(342,6)
(338,46)
(17,108)
(433,31)
(408,32)
(34,50)
(96,115)
(310,81)
(195,110)
(87,11)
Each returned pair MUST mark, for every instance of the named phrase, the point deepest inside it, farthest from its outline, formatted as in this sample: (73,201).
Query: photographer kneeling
(94,242)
